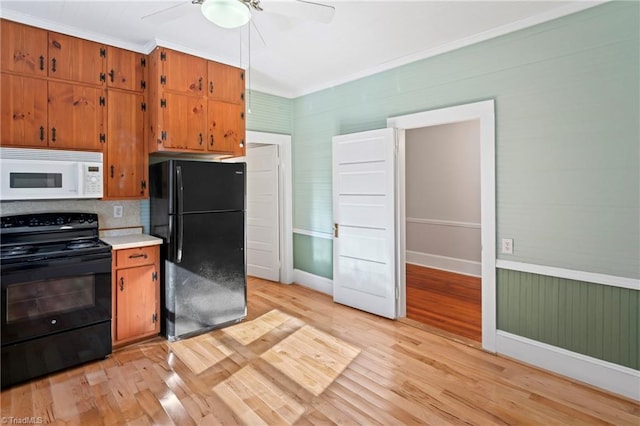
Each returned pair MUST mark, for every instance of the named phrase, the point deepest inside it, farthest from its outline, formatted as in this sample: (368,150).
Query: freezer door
(205,283)
(201,186)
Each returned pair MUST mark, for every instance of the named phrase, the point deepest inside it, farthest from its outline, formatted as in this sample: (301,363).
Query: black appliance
(198,209)
(56,294)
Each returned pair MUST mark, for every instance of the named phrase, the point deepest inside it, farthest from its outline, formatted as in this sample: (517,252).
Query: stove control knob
(54,322)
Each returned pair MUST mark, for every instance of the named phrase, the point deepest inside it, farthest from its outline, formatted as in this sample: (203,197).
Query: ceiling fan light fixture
(226,13)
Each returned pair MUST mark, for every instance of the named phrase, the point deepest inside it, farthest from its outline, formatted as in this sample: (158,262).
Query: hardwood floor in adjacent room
(301,359)
(445,300)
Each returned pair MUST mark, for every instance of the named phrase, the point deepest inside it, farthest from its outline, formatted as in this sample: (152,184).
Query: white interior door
(263,244)
(364,257)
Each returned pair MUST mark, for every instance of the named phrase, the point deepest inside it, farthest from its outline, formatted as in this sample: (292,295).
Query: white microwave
(46,174)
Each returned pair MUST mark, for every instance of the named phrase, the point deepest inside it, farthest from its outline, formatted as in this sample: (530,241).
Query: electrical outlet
(507,245)
(117,211)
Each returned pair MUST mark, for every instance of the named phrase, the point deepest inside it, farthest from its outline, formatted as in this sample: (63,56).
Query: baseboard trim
(314,282)
(605,375)
(450,264)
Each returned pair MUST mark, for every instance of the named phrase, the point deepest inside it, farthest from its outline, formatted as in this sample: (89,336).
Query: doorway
(270,154)
(484,113)
(442,175)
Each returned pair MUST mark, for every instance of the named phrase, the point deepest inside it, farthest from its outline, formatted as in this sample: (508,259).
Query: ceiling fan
(236,13)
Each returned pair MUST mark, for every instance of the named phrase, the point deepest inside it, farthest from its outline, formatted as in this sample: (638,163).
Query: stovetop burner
(41,236)
(77,245)
(16,251)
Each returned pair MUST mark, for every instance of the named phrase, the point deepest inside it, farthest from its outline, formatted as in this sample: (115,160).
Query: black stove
(25,238)
(55,307)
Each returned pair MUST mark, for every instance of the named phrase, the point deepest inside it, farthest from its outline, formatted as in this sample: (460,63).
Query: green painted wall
(567,108)
(313,255)
(592,319)
(268,113)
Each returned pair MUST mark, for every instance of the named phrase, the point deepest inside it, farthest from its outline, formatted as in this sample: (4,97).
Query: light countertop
(129,240)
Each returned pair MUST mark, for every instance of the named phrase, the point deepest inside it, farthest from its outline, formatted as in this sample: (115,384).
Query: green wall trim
(313,255)
(596,320)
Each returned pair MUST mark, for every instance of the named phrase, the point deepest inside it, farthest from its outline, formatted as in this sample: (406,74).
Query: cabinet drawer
(136,256)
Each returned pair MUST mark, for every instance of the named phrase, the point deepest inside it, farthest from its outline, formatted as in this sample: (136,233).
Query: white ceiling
(300,56)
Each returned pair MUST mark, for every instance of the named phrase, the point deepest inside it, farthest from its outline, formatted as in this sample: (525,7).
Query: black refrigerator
(199,209)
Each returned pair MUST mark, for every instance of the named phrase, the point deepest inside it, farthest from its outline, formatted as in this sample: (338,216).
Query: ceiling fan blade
(300,9)
(168,14)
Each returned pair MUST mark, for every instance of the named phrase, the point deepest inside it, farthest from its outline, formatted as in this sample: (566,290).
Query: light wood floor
(299,358)
(450,302)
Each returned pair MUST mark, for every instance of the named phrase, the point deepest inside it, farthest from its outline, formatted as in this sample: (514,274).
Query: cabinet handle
(41,63)
(136,256)
(111,75)
(53,134)
(121,283)
(201,139)
(112,170)
(53,64)
(211,141)
(211,87)
(41,133)
(200,84)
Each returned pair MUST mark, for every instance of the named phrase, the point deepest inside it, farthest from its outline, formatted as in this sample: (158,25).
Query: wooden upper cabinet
(184,121)
(76,116)
(226,128)
(182,73)
(24,111)
(126,159)
(75,59)
(126,69)
(225,83)
(23,48)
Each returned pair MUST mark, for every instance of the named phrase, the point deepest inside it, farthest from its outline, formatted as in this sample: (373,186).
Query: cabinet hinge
(163,135)
(143,106)
(163,56)
(103,138)
(163,79)
(154,318)
(143,62)
(242,115)
(154,276)
(242,76)
(143,185)
(163,103)
(103,52)
(143,84)
(103,77)
(103,101)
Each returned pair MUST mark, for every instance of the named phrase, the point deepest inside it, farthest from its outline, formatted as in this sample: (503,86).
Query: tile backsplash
(104,209)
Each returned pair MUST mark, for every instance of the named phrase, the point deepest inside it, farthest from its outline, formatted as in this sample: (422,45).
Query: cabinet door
(24,111)
(226,128)
(76,116)
(136,302)
(125,69)
(75,59)
(226,83)
(183,73)
(126,160)
(23,49)
(184,121)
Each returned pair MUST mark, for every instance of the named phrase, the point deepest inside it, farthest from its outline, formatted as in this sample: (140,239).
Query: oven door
(44,297)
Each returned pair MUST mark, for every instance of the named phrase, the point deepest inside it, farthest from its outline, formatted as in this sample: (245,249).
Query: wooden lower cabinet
(136,294)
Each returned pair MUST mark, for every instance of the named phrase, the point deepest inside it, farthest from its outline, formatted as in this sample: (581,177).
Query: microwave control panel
(93,179)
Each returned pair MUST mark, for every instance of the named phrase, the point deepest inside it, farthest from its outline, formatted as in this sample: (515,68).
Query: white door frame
(286,200)
(484,112)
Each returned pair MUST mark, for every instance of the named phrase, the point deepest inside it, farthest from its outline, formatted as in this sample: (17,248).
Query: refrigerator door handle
(180,238)
(180,189)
